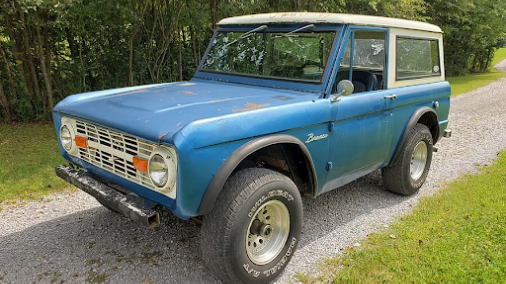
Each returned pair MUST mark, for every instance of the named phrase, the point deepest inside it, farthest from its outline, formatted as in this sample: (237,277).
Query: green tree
(50,49)
(473,29)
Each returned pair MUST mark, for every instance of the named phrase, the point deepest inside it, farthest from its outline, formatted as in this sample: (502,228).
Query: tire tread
(236,191)
(394,177)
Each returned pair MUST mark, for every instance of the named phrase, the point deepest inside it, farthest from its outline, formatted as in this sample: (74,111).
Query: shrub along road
(73,239)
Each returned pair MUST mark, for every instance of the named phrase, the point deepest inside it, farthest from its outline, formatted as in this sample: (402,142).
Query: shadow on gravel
(100,246)
(341,206)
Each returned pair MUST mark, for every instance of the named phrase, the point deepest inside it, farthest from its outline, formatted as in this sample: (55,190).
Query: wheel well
(429,119)
(425,116)
(285,158)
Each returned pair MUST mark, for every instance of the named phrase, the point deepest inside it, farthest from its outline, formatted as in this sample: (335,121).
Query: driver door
(362,121)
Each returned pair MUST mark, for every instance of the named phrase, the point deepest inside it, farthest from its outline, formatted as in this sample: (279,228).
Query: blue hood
(164,109)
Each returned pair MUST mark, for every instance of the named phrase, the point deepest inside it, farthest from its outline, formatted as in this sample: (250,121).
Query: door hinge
(329,166)
(331,127)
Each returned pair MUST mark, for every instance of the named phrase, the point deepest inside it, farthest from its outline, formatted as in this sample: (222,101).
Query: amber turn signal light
(81,142)
(140,164)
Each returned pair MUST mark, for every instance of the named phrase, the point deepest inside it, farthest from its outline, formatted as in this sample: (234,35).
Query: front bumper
(126,204)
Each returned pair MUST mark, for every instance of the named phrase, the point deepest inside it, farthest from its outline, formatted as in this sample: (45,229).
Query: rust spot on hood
(283,98)
(139,90)
(250,106)
(188,93)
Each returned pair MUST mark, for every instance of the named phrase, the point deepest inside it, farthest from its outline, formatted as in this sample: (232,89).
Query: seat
(366,81)
(363,81)
(359,87)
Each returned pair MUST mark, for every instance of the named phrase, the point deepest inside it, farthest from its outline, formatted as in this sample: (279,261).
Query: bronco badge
(311,137)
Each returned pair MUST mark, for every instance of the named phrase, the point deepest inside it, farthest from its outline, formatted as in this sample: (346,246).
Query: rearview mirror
(344,88)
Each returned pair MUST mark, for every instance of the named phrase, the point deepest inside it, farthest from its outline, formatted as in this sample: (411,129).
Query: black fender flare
(411,123)
(238,156)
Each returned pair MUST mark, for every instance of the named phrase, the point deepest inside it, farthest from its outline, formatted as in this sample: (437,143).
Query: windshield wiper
(247,34)
(308,27)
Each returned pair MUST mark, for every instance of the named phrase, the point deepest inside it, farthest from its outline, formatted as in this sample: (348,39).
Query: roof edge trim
(329,18)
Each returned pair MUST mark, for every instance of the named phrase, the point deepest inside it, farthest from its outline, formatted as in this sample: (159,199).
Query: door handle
(392,97)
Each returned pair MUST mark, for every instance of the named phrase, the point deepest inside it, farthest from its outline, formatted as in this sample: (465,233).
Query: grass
(28,155)
(464,84)
(499,56)
(456,236)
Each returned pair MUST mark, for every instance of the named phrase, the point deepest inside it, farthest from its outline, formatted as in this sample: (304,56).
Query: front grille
(113,151)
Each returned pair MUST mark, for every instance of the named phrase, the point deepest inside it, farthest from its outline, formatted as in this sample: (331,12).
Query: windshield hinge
(331,127)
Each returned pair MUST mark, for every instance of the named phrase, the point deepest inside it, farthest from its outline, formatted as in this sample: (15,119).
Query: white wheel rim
(418,160)
(262,249)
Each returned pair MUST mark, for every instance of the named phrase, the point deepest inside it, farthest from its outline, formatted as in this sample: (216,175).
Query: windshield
(296,56)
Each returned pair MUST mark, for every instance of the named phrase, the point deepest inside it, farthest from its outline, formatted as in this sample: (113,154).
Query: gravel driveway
(72,239)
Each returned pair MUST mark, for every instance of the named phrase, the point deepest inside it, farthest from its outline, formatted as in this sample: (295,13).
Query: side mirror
(344,88)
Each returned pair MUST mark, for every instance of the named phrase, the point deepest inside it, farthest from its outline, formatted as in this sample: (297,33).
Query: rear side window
(417,58)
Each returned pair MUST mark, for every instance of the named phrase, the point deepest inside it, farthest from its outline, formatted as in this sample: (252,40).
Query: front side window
(417,58)
(368,52)
(297,56)
(363,61)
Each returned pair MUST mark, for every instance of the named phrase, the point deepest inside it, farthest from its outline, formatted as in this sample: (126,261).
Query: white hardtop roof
(331,18)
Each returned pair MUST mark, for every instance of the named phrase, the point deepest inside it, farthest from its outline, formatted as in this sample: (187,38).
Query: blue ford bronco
(282,105)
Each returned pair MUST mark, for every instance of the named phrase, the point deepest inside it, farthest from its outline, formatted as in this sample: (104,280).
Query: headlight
(162,169)
(158,170)
(66,138)
(67,135)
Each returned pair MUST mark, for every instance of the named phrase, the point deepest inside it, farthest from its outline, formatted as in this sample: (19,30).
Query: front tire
(254,227)
(410,172)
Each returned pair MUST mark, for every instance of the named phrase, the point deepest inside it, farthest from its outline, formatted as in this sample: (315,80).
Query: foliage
(29,154)
(467,83)
(50,49)
(456,236)
(474,29)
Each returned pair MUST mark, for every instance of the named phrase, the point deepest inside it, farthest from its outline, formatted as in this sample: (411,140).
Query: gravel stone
(71,238)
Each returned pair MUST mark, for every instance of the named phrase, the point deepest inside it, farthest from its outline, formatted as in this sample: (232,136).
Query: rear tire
(408,175)
(254,227)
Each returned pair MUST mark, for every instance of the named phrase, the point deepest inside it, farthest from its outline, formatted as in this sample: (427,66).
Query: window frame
(350,35)
(397,37)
